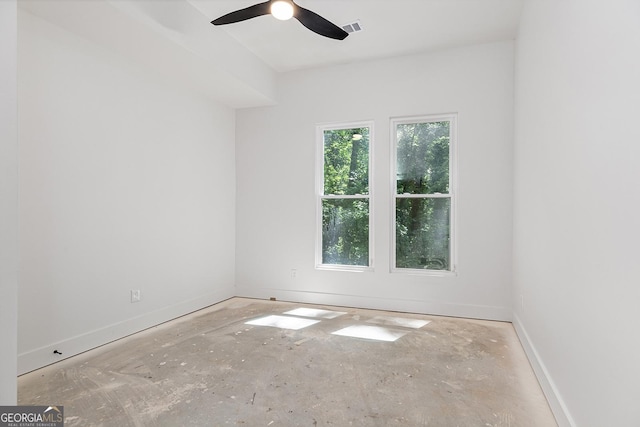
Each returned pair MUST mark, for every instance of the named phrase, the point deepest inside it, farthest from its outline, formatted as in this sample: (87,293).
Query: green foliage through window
(423,158)
(346,161)
(423,202)
(345,198)
(422,233)
(345,231)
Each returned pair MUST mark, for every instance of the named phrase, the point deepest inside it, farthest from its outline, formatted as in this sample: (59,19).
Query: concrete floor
(212,369)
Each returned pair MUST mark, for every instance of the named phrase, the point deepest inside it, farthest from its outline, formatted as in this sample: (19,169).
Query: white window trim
(320,128)
(453,174)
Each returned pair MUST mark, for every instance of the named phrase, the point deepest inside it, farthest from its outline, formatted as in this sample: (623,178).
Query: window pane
(346,161)
(423,158)
(422,233)
(345,232)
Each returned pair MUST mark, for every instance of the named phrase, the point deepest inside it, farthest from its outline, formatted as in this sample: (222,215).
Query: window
(423,183)
(344,209)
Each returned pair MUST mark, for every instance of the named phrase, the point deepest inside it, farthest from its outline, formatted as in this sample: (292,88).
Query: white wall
(8,202)
(577,204)
(276,181)
(125,183)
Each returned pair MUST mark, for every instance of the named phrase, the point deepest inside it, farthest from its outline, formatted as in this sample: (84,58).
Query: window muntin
(344,237)
(423,197)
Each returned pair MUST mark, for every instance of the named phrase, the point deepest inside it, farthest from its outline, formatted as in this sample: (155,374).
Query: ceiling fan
(283,10)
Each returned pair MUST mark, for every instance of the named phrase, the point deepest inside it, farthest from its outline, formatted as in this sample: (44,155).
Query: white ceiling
(237,64)
(390,28)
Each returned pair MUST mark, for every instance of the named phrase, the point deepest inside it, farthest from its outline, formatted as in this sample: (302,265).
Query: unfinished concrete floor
(211,368)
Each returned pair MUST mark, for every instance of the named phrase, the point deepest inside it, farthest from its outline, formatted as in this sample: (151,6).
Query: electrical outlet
(294,273)
(136,295)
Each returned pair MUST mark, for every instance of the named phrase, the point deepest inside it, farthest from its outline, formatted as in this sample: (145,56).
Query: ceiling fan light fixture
(282,10)
(285,9)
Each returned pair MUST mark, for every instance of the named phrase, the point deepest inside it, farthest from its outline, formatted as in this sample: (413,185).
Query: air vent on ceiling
(352,27)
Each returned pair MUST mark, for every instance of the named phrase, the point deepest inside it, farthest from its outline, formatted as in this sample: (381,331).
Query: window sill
(343,268)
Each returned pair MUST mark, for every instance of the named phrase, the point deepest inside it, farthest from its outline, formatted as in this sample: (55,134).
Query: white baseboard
(377,303)
(43,356)
(558,407)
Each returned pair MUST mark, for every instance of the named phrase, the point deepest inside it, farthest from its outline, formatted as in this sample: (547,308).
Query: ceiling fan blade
(244,14)
(318,24)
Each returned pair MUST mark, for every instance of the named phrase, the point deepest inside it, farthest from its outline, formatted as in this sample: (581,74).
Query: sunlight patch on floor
(283,322)
(377,333)
(398,321)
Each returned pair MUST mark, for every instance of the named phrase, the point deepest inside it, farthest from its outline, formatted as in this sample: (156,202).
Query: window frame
(320,196)
(452,118)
